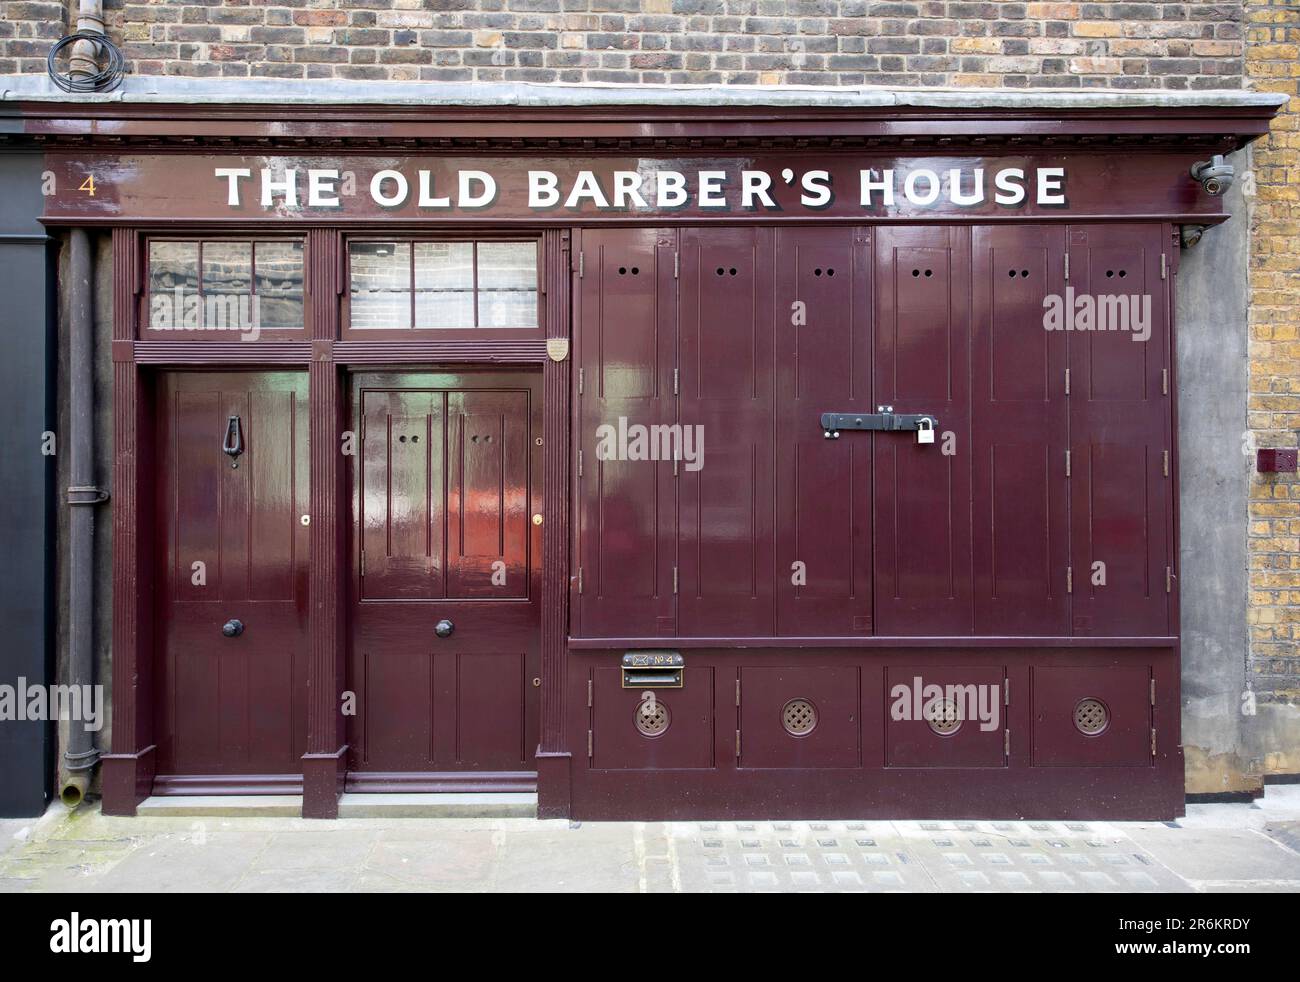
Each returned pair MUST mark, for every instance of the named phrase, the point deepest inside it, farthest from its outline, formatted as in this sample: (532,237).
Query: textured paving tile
(795,856)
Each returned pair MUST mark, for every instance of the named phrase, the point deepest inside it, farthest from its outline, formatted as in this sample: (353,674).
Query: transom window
(442,285)
(224,284)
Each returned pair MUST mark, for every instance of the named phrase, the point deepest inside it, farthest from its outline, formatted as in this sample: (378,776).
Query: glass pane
(279,271)
(507,279)
(507,308)
(444,283)
(507,266)
(444,309)
(381,284)
(279,310)
(227,267)
(444,266)
(173,267)
(227,285)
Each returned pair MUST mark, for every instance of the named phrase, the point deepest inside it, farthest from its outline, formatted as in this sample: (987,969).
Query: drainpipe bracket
(86,495)
(84,761)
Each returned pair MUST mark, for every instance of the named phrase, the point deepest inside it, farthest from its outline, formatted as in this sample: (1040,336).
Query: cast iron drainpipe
(90,17)
(81,755)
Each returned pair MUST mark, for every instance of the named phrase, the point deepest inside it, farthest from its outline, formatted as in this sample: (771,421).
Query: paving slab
(447,861)
(1200,855)
(548,861)
(14,832)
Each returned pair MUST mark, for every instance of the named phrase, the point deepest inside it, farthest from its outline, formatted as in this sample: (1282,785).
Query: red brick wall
(1273,64)
(819,42)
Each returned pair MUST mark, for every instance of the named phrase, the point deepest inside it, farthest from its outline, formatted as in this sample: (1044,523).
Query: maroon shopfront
(675,464)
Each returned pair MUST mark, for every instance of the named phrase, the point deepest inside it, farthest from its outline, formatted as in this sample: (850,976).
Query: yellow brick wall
(1272,60)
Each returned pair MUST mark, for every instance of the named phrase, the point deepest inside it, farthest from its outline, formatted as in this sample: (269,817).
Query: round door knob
(444,628)
(232,628)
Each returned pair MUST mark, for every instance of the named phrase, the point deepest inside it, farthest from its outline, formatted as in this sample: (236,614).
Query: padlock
(925,430)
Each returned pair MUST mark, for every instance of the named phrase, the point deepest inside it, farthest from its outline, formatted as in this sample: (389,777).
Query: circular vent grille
(651,718)
(799,716)
(1091,716)
(943,717)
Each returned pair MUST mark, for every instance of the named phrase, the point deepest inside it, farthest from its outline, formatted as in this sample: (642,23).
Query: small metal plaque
(557,348)
(653,659)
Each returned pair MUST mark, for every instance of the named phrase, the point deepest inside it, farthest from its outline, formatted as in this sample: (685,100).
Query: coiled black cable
(105,79)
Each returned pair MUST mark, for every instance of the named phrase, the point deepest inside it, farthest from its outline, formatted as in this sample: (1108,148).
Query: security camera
(1192,234)
(1215,175)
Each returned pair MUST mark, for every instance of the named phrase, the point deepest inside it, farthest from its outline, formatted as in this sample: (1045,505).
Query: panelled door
(446,571)
(232,499)
(1019,433)
(1120,435)
(823,487)
(726,402)
(626,331)
(922,493)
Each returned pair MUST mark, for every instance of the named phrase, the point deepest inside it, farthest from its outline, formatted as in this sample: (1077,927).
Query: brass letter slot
(653,670)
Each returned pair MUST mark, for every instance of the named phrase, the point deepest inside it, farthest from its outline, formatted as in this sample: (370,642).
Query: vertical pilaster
(129,770)
(552,754)
(324,763)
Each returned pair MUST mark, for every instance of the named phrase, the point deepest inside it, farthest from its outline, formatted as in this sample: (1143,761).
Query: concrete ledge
(513,805)
(167,89)
(223,806)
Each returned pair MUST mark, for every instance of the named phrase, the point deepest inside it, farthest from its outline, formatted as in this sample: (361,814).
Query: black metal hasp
(884,419)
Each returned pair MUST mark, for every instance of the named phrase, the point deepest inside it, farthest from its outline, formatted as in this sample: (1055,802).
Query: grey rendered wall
(1214,474)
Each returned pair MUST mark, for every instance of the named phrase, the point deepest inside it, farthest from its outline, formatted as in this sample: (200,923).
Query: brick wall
(820,42)
(1273,64)
(27,29)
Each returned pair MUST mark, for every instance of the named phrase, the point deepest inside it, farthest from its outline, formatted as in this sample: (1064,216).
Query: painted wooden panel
(488,494)
(726,532)
(922,494)
(965,729)
(626,509)
(1019,433)
(1083,716)
(1121,496)
(675,731)
(794,716)
(403,494)
(823,487)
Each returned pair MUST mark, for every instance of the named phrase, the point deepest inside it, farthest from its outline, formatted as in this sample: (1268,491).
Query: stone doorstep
(485,805)
(505,805)
(221,806)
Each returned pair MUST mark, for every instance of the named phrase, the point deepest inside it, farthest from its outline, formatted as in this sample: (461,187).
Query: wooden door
(232,465)
(446,572)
